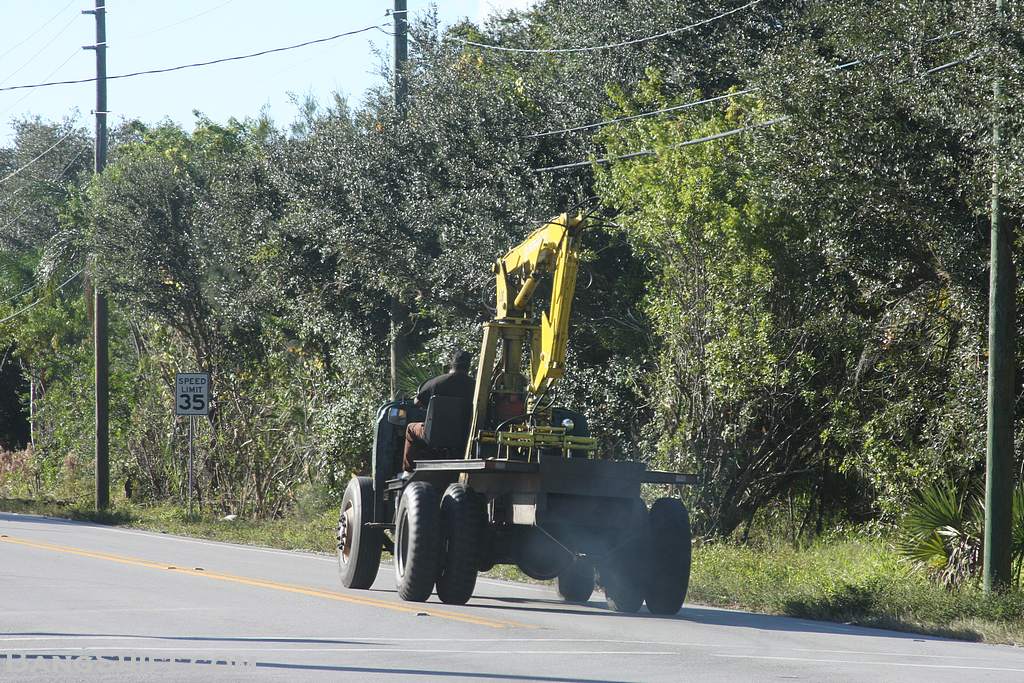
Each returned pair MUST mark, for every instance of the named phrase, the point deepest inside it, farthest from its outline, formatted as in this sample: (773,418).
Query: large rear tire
(670,556)
(417,541)
(463,517)
(623,572)
(359,547)
(576,582)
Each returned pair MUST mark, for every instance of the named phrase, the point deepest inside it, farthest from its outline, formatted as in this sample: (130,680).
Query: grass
(851,579)
(310,532)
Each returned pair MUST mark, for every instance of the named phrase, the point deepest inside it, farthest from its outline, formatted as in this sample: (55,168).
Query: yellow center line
(273,585)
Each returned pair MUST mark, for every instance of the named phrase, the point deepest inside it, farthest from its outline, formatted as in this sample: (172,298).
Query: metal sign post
(191,469)
(191,398)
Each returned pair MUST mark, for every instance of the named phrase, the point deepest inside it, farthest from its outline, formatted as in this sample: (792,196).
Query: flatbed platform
(500,465)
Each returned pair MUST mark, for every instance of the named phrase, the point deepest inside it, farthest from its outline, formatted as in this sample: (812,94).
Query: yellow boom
(501,389)
(550,249)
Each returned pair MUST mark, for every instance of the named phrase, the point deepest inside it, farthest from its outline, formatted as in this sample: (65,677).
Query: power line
(40,50)
(40,300)
(49,75)
(43,154)
(22,293)
(198,64)
(33,34)
(26,209)
(179,22)
(735,131)
(747,91)
(651,152)
(609,46)
(642,115)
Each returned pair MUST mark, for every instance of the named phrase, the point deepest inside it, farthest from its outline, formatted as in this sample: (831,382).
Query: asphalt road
(86,602)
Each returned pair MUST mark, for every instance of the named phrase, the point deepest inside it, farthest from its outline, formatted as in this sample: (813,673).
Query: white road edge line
(889,654)
(297,639)
(863,663)
(231,650)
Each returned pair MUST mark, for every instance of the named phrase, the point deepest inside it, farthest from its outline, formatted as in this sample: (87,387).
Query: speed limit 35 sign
(192,393)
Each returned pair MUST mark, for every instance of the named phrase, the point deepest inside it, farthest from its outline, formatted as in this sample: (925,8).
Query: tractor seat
(446,427)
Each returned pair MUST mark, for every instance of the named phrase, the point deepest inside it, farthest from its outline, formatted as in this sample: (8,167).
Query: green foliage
(796,313)
(749,370)
(943,533)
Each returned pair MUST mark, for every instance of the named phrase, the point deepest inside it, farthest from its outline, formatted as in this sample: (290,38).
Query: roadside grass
(311,532)
(849,579)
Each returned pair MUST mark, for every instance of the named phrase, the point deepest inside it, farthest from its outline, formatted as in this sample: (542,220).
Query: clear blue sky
(147,34)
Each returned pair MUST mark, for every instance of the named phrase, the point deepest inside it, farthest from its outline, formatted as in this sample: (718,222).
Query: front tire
(417,541)
(463,517)
(670,556)
(359,547)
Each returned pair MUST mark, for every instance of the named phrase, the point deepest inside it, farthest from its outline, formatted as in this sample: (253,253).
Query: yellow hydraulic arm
(552,249)
(500,394)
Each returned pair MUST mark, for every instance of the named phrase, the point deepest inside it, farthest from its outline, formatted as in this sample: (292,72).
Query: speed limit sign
(192,393)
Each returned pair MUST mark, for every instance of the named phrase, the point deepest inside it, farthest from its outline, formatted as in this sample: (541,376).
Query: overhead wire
(194,65)
(33,34)
(56,178)
(633,117)
(728,133)
(179,22)
(41,299)
(40,50)
(43,154)
(651,152)
(608,46)
(718,98)
(28,93)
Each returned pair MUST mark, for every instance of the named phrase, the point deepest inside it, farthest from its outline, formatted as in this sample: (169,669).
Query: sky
(43,41)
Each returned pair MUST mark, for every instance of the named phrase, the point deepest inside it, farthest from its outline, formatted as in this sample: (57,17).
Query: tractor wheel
(669,575)
(622,573)
(576,582)
(359,547)
(417,541)
(463,517)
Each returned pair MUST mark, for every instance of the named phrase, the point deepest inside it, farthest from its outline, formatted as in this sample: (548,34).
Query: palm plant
(414,370)
(943,533)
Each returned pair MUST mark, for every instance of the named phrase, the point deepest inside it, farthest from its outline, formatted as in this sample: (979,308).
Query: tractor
(515,479)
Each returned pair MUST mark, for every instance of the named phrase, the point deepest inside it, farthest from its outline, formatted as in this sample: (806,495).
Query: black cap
(461,359)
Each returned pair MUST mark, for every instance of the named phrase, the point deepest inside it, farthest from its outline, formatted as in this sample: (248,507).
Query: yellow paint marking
(273,585)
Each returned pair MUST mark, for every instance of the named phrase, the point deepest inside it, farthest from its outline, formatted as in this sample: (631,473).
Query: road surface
(86,602)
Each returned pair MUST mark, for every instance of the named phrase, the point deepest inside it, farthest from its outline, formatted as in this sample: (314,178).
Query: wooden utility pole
(100,300)
(999,471)
(399,312)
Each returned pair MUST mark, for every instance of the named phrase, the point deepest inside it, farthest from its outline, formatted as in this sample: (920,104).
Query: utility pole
(999,472)
(399,312)
(100,300)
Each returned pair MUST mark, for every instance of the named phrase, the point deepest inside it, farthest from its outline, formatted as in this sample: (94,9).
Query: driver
(456,382)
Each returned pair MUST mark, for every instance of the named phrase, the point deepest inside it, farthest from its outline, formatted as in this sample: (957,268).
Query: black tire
(576,582)
(417,541)
(622,573)
(463,517)
(670,556)
(359,547)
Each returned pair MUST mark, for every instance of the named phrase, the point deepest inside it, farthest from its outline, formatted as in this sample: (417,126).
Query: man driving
(458,383)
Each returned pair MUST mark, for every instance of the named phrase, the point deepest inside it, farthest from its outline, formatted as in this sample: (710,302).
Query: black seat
(446,427)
